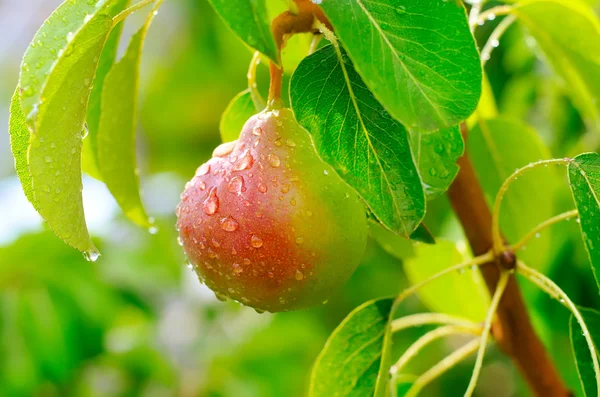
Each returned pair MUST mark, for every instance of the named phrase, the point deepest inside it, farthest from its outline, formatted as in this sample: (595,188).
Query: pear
(267,223)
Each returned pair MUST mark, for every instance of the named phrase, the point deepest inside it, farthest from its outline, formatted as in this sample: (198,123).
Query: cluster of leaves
(382,102)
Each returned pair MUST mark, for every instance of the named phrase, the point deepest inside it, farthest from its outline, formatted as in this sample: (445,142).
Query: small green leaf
(584,178)
(354,357)
(497,148)
(239,110)
(353,133)
(19,142)
(462,294)
(55,150)
(418,57)
(568,33)
(395,245)
(423,235)
(581,350)
(51,44)
(248,19)
(116,130)
(436,154)
(107,59)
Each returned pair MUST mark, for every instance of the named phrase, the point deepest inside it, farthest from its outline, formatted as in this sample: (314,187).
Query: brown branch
(512,328)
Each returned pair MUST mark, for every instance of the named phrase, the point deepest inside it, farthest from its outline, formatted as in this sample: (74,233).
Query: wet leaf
(418,57)
(55,150)
(356,356)
(19,142)
(354,133)
(584,178)
(436,154)
(583,359)
(107,59)
(117,127)
(248,19)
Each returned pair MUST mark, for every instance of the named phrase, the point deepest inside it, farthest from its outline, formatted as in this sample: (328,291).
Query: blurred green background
(138,323)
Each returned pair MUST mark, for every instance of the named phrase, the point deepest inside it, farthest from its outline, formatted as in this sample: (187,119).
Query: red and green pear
(267,223)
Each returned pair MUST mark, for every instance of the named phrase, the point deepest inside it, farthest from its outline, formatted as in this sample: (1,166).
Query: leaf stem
(443,366)
(127,12)
(494,39)
(548,222)
(257,99)
(428,319)
(487,326)
(314,43)
(430,337)
(498,243)
(477,261)
(548,286)
(491,14)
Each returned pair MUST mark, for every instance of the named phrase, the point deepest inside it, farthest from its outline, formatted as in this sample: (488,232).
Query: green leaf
(584,178)
(239,110)
(568,33)
(497,148)
(423,235)
(107,59)
(51,45)
(583,359)
(436,154)
(354,357)
(353,133)
(248,19)
(116,131)
(55,150)
(19,142)
(418,57)
(462,294)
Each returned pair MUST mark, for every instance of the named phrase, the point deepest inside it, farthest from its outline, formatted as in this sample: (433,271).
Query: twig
(491,14)
(498,242)
(494,39)
(443,366)
(548,222)
(428,319)
(428,338)
(487,326)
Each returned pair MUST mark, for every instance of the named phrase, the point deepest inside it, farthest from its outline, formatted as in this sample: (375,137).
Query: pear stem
(276,82)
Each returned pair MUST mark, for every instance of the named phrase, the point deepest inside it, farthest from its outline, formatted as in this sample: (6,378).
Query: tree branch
(512,328)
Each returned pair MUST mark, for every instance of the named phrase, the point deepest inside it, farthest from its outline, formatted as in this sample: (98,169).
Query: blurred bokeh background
(138,323)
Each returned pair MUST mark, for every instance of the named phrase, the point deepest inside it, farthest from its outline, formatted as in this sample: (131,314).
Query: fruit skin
(267,223)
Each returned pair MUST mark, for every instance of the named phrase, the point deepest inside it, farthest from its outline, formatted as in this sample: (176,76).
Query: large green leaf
(584,178)
(116,130)
(418,57)
(497,148)
(436,154)
(462,294)
(583,359)
(355,356)
(107,59)
(19,142)
(248,19)
(51,45)
(239,110)
(354,134)
(568,33)
(55,150)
